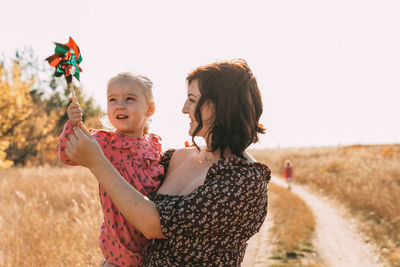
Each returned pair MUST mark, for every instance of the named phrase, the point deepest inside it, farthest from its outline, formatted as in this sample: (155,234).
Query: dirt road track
(337,240)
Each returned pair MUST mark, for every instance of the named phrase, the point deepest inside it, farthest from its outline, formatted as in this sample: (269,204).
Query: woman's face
(207,110)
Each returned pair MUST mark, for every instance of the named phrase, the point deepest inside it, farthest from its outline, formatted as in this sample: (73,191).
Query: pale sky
(329,71)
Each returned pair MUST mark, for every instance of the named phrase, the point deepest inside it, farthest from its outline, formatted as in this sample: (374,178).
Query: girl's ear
(150,109)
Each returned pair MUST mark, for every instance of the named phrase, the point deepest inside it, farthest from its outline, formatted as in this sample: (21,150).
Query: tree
(33,112)
(4,163)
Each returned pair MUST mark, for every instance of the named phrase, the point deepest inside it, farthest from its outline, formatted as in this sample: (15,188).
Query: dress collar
(120,140)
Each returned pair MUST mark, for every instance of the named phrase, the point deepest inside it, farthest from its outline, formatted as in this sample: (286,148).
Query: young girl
(133,152)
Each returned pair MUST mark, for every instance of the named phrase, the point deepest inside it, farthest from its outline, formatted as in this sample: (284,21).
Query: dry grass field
(292,230)
(50,216)
(365,178)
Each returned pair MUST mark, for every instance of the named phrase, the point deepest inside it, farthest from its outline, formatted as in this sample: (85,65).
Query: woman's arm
(136,208)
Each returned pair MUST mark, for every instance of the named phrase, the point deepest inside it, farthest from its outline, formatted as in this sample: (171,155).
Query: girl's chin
(132,134)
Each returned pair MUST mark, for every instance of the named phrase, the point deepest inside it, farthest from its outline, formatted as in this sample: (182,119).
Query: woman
(212,199)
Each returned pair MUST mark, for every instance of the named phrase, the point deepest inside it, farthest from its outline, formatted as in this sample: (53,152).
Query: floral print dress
(211,225)
(137,160)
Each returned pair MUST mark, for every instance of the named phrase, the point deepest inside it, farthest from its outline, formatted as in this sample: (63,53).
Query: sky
(328,71)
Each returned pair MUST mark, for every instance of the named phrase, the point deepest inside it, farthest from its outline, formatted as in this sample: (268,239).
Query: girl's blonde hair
(134,80)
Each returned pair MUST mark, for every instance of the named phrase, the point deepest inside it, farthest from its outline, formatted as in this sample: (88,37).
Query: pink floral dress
(137,160)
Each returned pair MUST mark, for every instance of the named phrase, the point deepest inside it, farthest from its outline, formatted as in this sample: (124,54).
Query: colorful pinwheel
(66,60)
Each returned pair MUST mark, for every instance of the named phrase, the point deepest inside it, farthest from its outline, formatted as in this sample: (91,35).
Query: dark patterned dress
(211,225)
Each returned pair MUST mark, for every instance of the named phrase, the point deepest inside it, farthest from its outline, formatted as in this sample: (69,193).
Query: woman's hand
(83,149)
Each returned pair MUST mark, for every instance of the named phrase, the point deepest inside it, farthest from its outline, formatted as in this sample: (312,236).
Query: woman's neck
(205,155)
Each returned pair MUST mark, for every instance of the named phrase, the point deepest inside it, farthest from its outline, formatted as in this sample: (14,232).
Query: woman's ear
(150,109)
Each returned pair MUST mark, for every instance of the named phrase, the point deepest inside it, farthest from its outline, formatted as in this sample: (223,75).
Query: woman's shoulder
(184,152)
(176,155)
(239,168)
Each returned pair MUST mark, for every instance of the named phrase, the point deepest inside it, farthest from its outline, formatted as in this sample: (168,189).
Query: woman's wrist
(98,161)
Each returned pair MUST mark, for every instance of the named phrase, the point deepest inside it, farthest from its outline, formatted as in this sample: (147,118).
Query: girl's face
(207,110)
(128,109)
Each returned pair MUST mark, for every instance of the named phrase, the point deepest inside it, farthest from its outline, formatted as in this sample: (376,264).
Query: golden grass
(366,178)
(292,230)
(50,217)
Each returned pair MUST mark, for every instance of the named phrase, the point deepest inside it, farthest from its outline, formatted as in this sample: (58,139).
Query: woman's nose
(185,109)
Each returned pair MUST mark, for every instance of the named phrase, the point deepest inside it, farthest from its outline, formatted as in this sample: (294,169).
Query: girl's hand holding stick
(74,113)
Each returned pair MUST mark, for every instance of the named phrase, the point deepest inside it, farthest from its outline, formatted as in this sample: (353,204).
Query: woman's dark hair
(232,89)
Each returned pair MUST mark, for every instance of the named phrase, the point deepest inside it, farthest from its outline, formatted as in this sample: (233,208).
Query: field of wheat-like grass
(292,230)
(365,178)
(50,216)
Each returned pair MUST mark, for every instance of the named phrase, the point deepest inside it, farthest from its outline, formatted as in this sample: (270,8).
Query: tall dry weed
(50,216)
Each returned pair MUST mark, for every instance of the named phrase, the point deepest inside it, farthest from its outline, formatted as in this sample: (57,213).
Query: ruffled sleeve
(166,158)
(156,142)
(100,136)
(152,156)
(164,161)
(62,141)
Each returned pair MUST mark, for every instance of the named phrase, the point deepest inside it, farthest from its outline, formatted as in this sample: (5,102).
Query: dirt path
(258,249)
(337,240)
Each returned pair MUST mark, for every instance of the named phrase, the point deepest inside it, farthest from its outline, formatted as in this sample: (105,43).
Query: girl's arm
(83,149)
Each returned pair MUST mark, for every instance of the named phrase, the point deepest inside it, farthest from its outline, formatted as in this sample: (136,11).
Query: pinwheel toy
(66,60)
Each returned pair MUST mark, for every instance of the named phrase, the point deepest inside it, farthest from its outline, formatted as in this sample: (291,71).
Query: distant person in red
(288,174)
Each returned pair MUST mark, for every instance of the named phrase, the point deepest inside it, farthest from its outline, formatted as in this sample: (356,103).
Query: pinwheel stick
(72,90)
